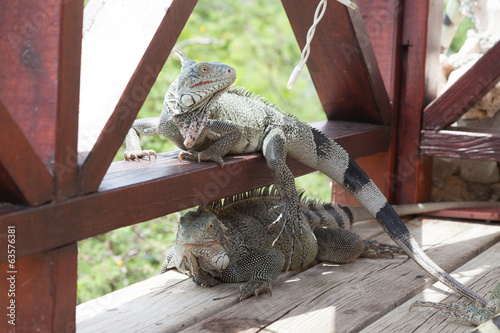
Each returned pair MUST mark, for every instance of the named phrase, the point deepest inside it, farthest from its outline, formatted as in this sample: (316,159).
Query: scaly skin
(487,316)
(230,243)
(207,120)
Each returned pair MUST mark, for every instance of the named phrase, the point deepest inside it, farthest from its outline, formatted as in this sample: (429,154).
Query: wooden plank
(30,38)
(68,81)
(30,181)
(465,92)
(485,214)
(469,143)
(340,298)
(115,84)
(44,285)
(137,192)
(481,274)
(419,56)
(341,63)
(171,298)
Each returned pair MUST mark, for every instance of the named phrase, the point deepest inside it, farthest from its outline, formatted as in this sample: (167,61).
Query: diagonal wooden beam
(22,164)
(342,63)
(465,92)
(144,34)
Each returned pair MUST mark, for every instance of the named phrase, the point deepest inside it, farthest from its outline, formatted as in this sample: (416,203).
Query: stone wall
(465,180)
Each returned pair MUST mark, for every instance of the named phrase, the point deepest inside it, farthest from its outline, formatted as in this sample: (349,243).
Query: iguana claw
(136,155)
(194,155)
(254,287)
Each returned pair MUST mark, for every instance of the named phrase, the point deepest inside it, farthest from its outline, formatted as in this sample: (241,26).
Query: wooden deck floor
(368,295)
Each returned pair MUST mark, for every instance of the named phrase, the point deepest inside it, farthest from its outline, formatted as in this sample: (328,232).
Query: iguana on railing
(207,119)
(229,241)
(487,317)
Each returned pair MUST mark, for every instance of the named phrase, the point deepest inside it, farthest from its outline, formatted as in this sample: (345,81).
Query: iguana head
(201,234)
(195,89)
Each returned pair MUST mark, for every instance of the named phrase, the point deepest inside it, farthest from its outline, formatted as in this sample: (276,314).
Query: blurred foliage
(254,37)
(460,35)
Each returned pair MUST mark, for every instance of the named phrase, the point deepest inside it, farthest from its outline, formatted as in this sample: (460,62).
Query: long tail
(332,160)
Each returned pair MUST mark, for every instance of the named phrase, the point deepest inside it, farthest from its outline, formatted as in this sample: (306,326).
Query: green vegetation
(253,36)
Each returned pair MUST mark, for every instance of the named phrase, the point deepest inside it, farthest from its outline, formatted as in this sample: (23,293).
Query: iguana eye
(203,69)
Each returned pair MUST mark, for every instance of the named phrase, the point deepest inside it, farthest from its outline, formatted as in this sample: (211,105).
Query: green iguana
(208,119)
(229,240)
(488,317)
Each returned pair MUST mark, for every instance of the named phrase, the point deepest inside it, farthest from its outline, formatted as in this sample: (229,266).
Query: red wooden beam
(29,40)
(133,192)
(483,214)
(382,20)
(66,156)
(342,63)
(465,92)
(22,166)
(468,143)
(383,25)
(136,91)
(420,56)
(44,285)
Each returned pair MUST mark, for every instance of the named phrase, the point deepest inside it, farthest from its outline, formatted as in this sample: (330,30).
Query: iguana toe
(254,287)
(135,155)
(200,157)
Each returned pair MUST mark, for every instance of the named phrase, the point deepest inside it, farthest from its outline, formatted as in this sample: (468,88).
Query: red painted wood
(133,192)
(341,63)
(470,143)
(485,214)
(465,92)
(419,55)
(382,20)
(29,40)
(126,110)
(68,84)
(45,291)
(27,179)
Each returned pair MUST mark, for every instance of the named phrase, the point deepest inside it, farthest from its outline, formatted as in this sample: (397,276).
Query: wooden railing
(438,139)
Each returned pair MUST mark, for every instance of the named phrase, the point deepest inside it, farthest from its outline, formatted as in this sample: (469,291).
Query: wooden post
(39,291)
(420,58)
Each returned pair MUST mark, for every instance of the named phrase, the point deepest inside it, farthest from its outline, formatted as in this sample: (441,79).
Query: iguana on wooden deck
(229,240)
(208,119)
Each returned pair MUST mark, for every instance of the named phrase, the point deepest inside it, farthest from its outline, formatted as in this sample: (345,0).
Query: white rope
(318,15)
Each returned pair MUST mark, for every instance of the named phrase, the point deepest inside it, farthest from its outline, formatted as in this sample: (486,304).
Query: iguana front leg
(225,136)
(275,151)
(258,269)
(133,150)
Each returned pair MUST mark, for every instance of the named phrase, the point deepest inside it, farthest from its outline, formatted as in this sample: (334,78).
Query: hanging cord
(318,15)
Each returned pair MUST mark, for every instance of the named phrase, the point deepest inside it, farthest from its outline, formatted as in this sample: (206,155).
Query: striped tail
(331,159)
